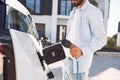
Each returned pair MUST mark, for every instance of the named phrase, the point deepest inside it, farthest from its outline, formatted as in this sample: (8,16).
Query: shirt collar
(83,7)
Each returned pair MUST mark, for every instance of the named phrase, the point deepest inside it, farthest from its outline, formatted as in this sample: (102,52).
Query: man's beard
(77,3)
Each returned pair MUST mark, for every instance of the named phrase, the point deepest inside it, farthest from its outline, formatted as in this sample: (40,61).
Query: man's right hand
(76,52)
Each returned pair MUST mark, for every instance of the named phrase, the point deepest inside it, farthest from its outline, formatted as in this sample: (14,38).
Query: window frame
(66,12)
(34,7)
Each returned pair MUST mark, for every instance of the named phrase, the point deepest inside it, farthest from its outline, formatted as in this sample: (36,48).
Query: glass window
(33,6)
(68,7)
(18,21)
(37,10)
(64,7)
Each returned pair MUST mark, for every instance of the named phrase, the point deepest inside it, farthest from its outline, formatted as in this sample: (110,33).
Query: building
(51,16)
(118,35)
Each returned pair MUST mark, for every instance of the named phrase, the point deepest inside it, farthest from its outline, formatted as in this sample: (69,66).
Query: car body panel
(18,6)
(28,66)
(20,63)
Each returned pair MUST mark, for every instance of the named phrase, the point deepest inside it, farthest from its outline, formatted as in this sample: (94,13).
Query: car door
(27,63)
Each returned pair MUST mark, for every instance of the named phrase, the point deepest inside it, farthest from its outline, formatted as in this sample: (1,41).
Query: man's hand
(76,52)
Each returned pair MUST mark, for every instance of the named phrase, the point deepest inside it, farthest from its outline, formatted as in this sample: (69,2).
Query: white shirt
(88,34)
(74,27)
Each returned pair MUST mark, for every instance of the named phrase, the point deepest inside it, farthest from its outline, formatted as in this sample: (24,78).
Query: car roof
(18,6)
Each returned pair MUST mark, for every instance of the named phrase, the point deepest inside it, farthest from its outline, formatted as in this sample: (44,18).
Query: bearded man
(86,31)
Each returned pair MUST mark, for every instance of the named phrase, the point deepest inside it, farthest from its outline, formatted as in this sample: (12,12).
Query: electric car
(19,43)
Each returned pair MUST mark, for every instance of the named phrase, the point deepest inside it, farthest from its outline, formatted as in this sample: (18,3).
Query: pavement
(105,66)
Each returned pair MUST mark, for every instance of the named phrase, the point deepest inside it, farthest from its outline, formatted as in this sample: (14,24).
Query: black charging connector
(50,75)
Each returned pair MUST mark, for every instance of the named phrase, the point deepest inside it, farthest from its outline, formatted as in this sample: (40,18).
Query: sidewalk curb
(108,54)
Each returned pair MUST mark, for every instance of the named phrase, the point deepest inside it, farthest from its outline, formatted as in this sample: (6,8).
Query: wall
(52,21)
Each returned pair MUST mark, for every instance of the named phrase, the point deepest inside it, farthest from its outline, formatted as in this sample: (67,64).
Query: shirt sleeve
(99,36)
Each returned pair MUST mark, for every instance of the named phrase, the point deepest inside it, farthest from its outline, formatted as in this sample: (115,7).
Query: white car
(19,44)
(24,58)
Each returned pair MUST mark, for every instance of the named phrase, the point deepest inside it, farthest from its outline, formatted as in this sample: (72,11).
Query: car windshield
(19,21)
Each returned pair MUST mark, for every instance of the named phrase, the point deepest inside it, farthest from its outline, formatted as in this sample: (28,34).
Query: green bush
(111,41)
(111,44)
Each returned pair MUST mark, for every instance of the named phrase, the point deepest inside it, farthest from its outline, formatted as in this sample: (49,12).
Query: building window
(39,7)
(64,7)
(61,32)
(41,27)
(33,6)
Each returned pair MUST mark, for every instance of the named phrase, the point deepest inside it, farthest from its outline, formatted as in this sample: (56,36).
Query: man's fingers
(75,52)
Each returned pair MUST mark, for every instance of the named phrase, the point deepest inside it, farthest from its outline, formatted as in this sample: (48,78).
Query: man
(86,31)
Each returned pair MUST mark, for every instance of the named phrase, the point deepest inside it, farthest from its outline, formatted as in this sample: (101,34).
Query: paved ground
(103,68)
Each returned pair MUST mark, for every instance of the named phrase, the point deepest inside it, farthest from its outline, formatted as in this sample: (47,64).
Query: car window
(18,21)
